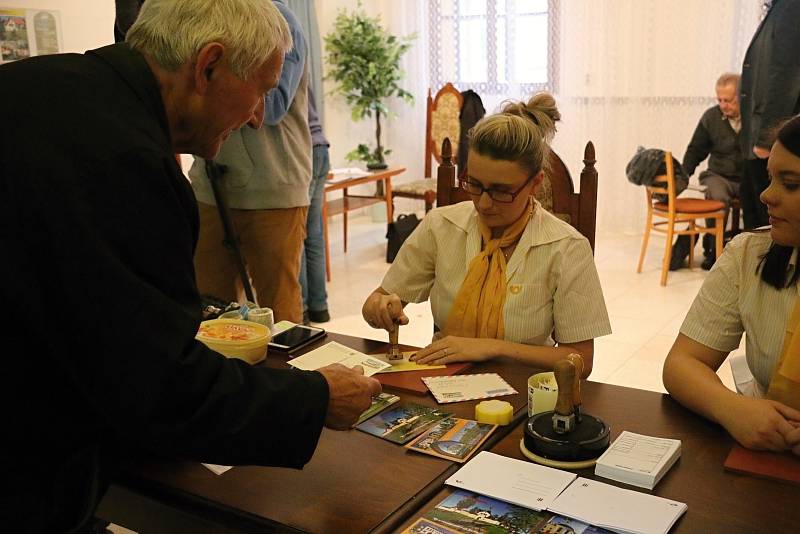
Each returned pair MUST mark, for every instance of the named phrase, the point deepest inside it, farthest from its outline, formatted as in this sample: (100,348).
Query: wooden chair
(556,194)
(442,120)
(678,210)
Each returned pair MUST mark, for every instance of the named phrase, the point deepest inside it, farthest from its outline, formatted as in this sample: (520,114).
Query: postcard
(459,388)
(617,508)
(334,352)
(515,481)
(379,403)
(464,512)
(403,423)
(453,438)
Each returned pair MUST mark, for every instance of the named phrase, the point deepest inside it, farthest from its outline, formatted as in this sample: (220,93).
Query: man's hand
(762,424)
(761,152)
(350,393)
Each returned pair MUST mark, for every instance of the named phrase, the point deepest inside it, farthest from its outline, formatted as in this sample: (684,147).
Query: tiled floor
(645,317)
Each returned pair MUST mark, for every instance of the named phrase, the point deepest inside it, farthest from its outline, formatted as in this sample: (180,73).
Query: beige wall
(85,24)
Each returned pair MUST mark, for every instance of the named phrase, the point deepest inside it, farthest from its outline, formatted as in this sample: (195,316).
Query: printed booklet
(379,403)
(465,512)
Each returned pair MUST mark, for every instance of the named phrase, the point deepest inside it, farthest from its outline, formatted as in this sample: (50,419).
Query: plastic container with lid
(234,338)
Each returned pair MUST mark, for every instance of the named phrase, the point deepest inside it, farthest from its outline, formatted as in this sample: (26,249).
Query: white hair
(172,32)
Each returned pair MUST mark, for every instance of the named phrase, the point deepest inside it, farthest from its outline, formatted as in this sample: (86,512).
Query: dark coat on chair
(648,163)
(471,112)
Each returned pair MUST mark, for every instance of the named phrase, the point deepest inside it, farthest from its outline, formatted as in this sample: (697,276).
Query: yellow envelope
(405,365)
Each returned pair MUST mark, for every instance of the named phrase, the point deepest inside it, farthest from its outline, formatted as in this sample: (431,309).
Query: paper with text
(617,509)
(334,352)
(515,481)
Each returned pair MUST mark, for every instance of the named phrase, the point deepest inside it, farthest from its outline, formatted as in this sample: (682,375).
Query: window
(494,46)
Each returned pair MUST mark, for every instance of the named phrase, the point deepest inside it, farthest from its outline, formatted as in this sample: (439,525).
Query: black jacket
(716,139)
(100,307)
(648,163)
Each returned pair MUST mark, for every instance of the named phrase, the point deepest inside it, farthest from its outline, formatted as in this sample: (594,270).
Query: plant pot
(376,166)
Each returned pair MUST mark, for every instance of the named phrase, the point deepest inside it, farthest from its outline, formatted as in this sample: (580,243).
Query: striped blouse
(734,300)
(553,289)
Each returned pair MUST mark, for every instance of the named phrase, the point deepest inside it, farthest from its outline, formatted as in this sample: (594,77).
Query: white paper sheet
(617,509)
(334,352)
(217,469)
(459,388)
(515,481)
(346,173)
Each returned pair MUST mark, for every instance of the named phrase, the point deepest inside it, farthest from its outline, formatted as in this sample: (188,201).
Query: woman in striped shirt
(504,276)
(753,288)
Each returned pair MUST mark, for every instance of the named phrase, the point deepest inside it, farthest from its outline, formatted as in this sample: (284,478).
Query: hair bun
(541,109)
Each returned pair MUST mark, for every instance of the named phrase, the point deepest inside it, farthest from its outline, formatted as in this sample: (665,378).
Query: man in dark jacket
(97,228)
(769,93)
(716,138)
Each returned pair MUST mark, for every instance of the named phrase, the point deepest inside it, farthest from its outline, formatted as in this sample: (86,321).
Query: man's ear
(209,58)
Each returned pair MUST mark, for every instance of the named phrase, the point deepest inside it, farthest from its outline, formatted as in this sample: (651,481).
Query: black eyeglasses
(477,189)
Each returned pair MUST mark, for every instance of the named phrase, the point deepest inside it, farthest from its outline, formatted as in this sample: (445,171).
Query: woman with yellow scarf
(504,276)
(752,288)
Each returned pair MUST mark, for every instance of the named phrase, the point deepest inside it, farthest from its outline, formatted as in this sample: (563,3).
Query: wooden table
(718,500)
(359,483)
(355,482)
(350,202)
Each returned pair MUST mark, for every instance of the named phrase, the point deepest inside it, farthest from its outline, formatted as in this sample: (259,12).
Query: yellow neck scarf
(477,311)
(785,384)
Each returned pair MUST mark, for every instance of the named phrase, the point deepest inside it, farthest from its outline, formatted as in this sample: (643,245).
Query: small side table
(350,202)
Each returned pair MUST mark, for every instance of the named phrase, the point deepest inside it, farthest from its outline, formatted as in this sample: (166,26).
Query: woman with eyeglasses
(754,287)
(504,276)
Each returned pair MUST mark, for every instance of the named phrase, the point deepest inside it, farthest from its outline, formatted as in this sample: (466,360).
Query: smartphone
(296,337)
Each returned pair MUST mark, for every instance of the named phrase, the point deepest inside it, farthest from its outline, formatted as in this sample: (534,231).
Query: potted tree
(364,62)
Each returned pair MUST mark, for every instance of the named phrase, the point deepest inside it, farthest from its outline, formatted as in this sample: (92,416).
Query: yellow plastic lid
(494,412)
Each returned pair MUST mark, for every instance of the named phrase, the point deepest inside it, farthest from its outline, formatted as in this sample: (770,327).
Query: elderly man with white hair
(98,227)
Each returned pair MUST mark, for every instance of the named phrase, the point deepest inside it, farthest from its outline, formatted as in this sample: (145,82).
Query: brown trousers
(270,241)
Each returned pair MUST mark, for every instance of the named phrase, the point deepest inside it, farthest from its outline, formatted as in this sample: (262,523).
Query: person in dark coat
(769,93)
(126,12)
(98,227)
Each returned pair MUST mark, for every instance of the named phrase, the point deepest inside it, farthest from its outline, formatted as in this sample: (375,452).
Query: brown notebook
(412,380)
(779,466)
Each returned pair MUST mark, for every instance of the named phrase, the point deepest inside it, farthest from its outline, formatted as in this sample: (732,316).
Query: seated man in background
(753,289)
(98,227)
(716,138)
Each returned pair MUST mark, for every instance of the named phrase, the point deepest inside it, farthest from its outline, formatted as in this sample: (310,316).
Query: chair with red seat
(678,210)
